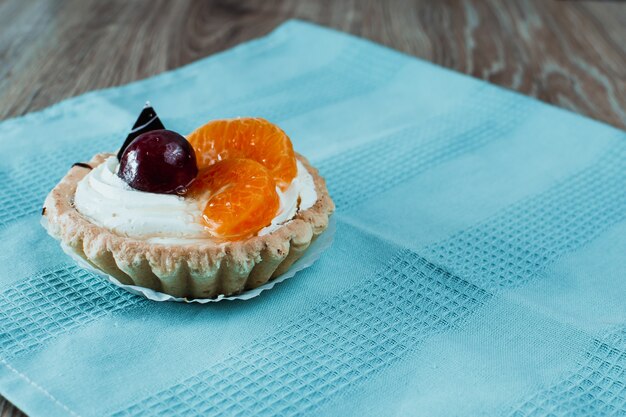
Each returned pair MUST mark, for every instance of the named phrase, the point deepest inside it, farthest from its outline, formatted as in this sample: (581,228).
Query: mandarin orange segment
(241,198)
(246,137)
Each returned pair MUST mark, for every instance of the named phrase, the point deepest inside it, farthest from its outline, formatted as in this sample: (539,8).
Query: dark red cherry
(159,161)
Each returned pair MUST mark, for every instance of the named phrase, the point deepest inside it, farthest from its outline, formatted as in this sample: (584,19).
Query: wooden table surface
(569,53)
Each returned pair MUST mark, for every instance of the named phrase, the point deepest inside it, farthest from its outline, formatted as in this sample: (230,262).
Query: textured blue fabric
(478,268)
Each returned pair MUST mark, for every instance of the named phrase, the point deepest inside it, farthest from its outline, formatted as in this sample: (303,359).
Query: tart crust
(194,270)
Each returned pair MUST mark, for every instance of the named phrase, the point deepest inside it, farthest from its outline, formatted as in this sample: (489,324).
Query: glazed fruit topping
(159,161)
(240,197)
(241,162)
(233,167)
(246,137)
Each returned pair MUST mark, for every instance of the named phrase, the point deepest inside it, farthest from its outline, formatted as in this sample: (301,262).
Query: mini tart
(193,270)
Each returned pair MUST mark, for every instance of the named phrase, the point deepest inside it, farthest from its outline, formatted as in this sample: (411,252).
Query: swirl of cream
(106,200)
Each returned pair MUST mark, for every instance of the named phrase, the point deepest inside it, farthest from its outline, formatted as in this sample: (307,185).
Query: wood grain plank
(569,53)
(9,410)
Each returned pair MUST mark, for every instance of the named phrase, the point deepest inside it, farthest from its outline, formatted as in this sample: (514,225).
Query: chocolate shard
(82,165)
(146,122)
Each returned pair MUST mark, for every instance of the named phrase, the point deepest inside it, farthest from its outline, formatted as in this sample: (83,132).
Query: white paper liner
(312,254)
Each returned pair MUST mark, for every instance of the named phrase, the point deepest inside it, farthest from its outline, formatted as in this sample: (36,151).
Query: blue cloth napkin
(478,268)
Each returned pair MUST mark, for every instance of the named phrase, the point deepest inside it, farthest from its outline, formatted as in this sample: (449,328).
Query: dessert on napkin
(221,211)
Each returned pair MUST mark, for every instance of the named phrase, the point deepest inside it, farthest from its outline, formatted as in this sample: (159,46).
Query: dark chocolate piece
(146,122)
(82,165)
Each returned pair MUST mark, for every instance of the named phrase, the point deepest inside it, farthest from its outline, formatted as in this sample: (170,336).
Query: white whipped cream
(109,202)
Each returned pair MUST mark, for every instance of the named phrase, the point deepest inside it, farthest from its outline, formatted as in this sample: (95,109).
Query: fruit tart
(220,211)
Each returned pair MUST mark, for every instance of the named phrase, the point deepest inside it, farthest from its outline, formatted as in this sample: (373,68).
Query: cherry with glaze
(159,161)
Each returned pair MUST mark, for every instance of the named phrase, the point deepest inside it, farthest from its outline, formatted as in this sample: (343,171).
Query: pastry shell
(194,270)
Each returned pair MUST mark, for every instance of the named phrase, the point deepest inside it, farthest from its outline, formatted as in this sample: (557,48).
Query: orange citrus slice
(241,197)
(246,137)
